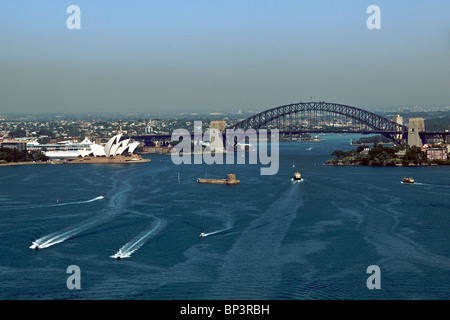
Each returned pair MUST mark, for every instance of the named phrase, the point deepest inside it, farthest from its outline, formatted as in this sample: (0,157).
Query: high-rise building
(398,119)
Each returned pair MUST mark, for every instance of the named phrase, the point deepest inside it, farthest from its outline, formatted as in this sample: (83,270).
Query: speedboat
(202,235)
(408,180)
(297,176)
(35,246)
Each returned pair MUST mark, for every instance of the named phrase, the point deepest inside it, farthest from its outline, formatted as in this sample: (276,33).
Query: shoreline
(7,164)
(397,165)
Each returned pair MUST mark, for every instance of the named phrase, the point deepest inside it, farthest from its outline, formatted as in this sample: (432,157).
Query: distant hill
(434,120)
(438,124)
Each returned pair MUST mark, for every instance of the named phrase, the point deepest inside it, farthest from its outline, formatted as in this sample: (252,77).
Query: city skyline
(219,56)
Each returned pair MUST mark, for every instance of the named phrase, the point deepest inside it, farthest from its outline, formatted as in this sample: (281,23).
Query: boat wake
(49,205)
(228,227)
(79,202)
(58,237)
(130,247)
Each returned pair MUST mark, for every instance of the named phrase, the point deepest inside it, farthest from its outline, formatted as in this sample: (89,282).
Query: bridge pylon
(416,125)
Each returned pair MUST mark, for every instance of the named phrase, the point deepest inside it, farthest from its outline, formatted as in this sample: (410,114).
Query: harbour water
(267,237)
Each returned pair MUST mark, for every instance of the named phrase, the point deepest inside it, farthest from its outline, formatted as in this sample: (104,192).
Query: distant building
(437,154)
(398,119)
(365,150)
(19,146)
(400,153)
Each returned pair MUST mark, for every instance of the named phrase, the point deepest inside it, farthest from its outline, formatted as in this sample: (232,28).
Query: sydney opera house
(115,151)
(114,147)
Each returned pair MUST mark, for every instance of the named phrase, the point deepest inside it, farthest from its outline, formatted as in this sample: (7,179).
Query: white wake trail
(58,237)
(48,205)
(228,227)
(130,247)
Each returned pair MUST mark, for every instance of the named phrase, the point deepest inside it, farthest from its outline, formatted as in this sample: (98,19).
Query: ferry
(407,180)
(297,176)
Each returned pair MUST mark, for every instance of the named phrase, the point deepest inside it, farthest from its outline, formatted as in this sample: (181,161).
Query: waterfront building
(62,149)
(113,147)
(437,154)
(19,146)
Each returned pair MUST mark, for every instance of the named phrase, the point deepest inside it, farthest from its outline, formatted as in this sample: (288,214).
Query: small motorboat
(408,180)
(297,176)
(203,234)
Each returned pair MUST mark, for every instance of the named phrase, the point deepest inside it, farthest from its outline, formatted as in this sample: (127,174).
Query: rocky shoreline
(358,163)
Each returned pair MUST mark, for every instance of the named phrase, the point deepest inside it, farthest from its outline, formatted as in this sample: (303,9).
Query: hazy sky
(220,55)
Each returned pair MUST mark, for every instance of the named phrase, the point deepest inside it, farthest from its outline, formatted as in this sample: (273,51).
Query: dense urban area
(45,130)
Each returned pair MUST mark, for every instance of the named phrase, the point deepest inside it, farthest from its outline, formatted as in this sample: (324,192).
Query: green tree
(18,133)
(339,153)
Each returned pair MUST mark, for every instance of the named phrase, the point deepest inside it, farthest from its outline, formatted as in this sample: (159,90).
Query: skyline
(174,56)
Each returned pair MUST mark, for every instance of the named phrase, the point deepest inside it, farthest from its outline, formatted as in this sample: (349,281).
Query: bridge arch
(321,117)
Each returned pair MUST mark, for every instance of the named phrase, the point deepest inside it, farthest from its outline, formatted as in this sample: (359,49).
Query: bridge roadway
(425,136)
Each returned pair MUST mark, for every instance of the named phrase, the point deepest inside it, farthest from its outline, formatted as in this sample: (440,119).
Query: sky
(221,55)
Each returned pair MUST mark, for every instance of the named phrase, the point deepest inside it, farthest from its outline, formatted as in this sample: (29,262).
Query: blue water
(267,238)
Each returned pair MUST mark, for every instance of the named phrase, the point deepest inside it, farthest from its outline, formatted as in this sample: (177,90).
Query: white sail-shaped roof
(132,147)
(122,146)
(98,150)
(121,149)
(126,142)
(114,148)
(110,143)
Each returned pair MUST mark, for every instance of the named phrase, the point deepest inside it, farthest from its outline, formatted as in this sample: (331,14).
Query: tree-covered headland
(384,156)
(13,155)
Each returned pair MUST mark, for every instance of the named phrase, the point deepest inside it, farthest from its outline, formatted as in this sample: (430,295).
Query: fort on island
(231,179)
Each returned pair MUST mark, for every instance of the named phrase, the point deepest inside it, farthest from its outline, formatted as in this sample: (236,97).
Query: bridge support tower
(416,125)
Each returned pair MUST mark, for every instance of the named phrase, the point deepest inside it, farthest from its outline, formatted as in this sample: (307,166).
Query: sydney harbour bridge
(325,117)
